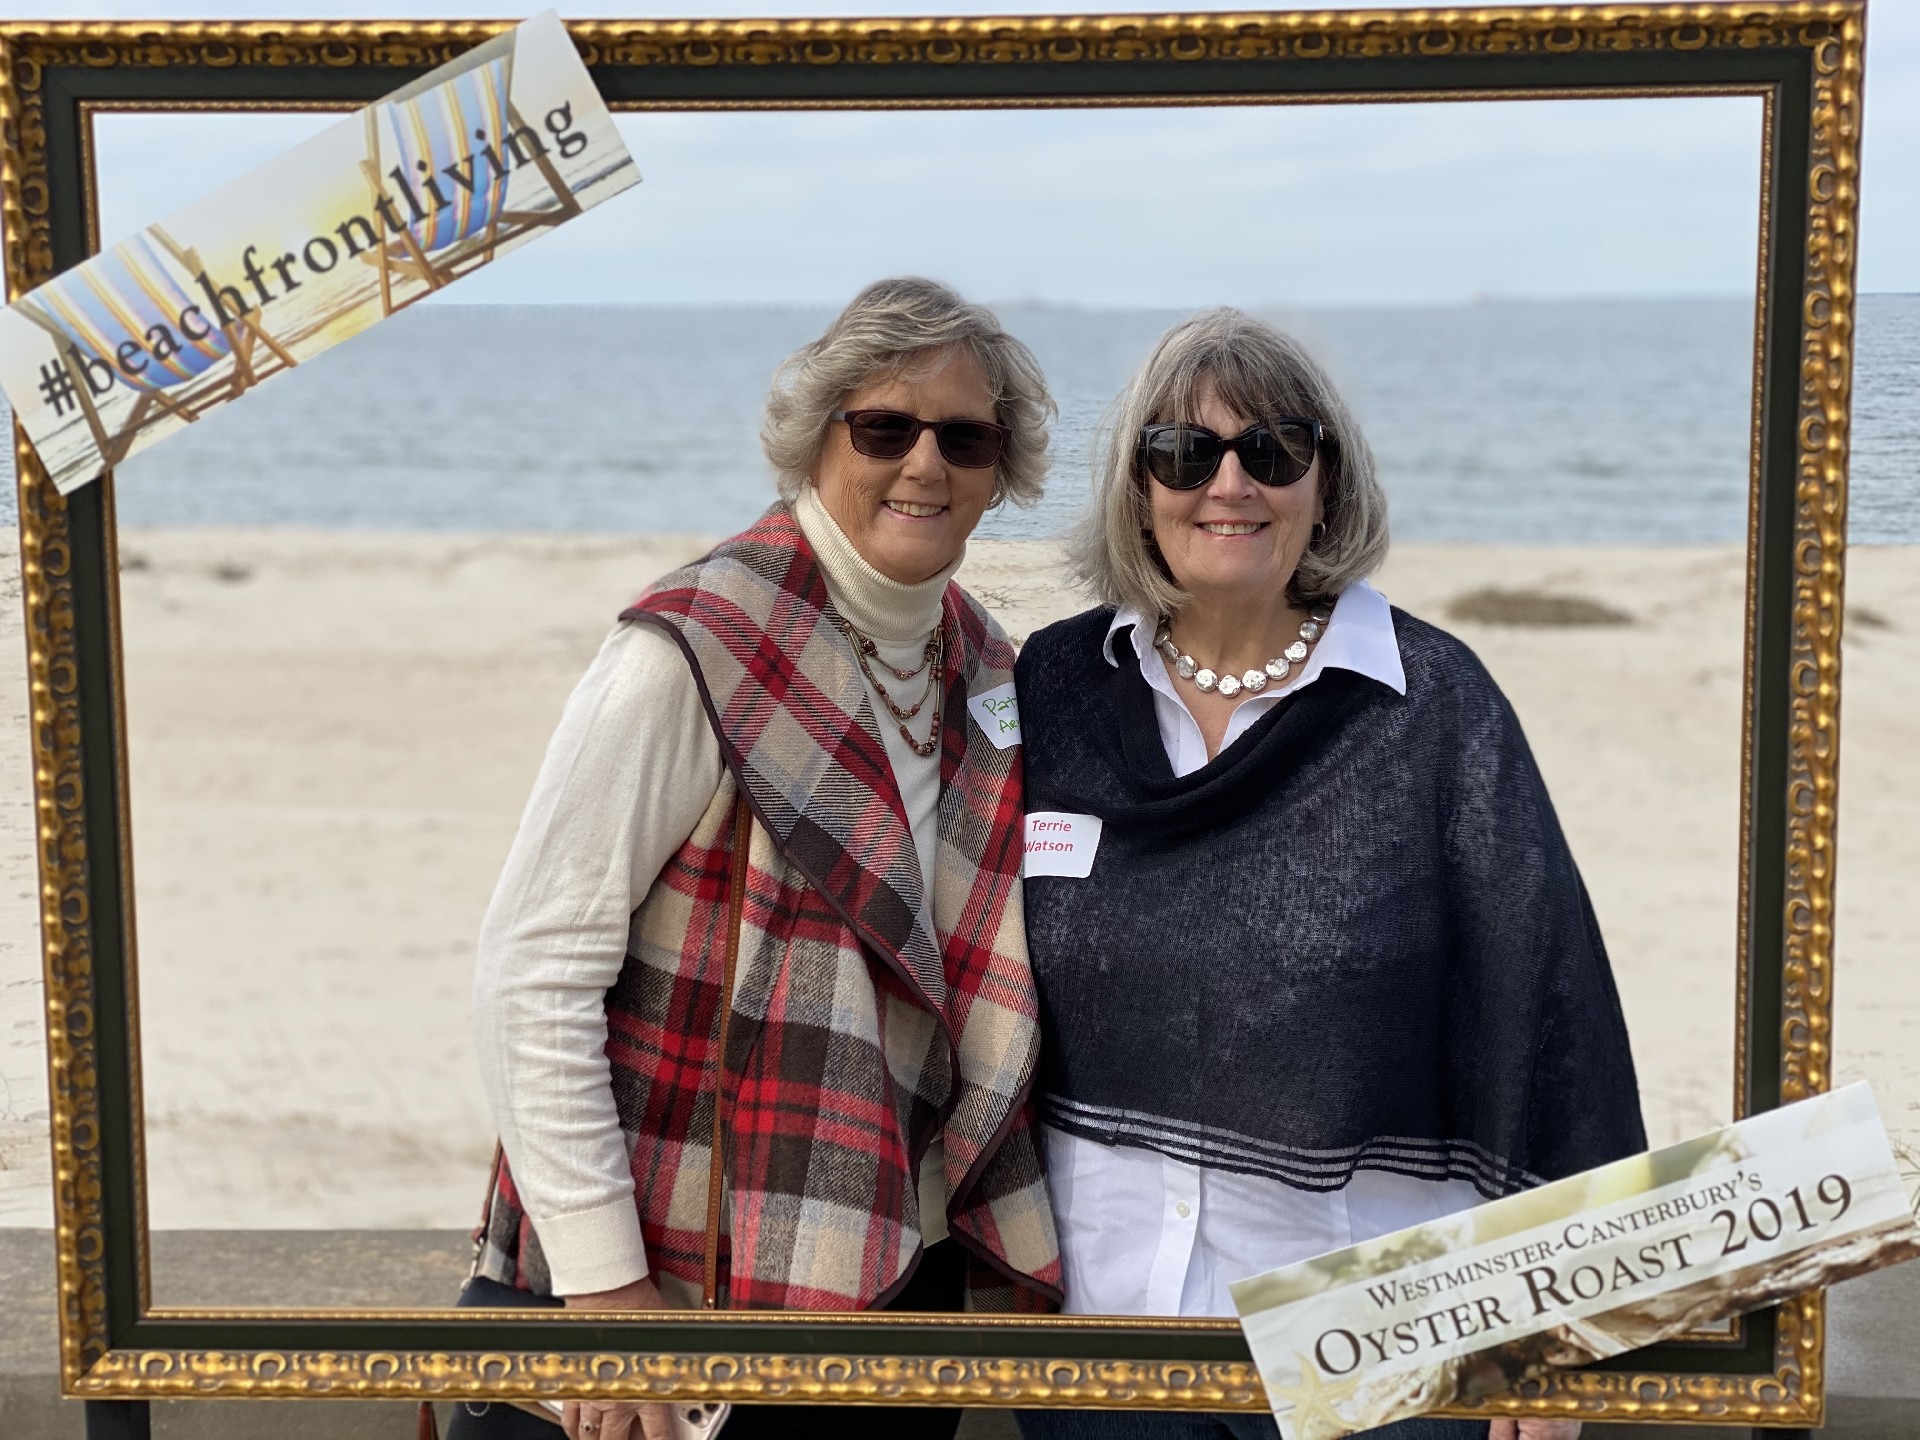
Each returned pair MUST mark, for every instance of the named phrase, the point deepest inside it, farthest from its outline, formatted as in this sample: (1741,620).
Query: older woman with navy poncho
(1324,968)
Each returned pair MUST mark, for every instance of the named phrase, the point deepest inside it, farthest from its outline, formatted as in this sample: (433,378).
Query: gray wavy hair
(881,333)
(1263,375)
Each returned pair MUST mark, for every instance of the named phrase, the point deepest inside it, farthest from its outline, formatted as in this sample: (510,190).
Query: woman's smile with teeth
(1232,527)
(908,507)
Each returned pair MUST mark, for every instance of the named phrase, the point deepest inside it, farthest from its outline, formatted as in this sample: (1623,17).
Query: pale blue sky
(1293,205)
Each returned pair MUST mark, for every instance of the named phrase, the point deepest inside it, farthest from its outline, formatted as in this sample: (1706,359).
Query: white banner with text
(1593,1265)
(393,204)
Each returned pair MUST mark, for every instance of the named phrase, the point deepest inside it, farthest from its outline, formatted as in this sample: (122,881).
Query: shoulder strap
(716,1174)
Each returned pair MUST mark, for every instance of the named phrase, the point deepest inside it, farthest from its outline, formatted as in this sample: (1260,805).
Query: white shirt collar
(1359,638)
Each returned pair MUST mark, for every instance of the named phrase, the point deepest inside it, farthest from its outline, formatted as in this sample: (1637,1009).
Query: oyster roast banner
(1593,1265)
(388,206)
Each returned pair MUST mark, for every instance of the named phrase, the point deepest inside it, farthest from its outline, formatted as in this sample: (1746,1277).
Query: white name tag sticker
(997,712)
(1061,844)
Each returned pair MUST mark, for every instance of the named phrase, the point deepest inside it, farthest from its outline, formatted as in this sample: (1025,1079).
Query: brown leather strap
(716,1174)
(485,1226)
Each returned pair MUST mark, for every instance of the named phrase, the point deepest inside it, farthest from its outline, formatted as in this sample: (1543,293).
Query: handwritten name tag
(1061,844)
(998,713)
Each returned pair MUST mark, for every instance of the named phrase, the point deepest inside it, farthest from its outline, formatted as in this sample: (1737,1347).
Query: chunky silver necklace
(1254,681)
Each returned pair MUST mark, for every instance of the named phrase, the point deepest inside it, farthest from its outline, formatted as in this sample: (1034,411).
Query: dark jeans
(1172,1425)
(939,1285)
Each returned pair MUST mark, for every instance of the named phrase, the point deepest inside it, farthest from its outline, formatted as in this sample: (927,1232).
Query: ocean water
(1617,421)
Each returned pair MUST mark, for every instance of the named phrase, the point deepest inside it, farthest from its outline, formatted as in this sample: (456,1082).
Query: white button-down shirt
(1144,1234)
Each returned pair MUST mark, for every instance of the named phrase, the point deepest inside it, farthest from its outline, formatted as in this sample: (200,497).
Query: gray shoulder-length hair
(887,327)
(1263,375)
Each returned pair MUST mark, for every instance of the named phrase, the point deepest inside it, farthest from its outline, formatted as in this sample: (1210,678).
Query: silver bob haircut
(1264,375)
(882,332)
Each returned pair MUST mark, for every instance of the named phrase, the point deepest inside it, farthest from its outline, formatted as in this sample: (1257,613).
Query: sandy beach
(332,735)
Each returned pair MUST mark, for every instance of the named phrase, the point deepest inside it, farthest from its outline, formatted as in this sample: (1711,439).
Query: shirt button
(1183,1210)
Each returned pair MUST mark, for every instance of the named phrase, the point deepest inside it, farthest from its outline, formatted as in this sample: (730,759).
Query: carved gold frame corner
(1804,58)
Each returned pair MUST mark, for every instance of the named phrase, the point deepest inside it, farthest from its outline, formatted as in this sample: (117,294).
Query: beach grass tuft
(1493,606)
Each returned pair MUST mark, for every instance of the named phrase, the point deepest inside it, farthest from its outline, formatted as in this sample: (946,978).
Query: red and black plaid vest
(859,1032)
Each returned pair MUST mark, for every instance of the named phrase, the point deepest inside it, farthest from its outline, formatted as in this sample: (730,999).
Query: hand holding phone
(692,1419)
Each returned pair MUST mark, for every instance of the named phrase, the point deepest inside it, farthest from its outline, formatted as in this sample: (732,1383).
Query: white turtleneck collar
(881,609)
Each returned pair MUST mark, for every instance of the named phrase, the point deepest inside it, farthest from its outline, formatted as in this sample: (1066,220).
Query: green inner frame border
(1783,74)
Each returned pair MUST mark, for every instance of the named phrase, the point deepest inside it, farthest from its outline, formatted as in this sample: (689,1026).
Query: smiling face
(1231,540)
(910,518)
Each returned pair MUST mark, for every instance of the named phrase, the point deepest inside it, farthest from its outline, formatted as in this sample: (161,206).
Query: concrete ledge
(1873,1351)
(201,1267)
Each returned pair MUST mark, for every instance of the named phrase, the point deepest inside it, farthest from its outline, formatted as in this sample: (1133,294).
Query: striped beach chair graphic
(449,143)
(126,297)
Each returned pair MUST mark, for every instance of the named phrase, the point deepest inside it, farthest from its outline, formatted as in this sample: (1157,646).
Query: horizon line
(1488,300)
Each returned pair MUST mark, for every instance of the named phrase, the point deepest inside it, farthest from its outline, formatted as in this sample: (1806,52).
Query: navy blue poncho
(1354,939)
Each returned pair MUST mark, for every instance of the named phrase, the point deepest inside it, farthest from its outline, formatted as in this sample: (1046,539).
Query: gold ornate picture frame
(1802,59)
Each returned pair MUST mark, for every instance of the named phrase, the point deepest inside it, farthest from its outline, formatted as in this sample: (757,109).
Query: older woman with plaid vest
(766,895)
